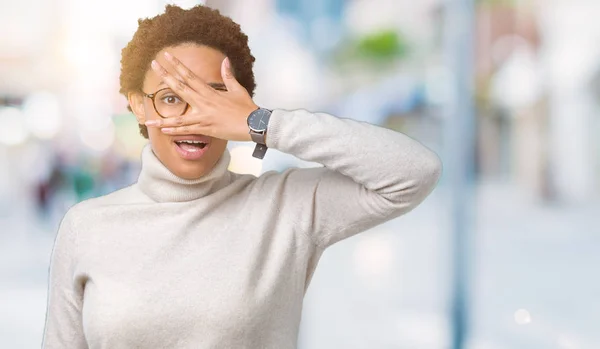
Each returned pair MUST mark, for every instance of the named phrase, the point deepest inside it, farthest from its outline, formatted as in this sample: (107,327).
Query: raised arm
(371,174)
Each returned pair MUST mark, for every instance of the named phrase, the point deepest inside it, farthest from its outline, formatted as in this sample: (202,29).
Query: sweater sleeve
(371,174)
(63,326)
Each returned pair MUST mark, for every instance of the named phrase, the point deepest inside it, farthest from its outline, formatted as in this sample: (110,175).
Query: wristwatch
(258,121)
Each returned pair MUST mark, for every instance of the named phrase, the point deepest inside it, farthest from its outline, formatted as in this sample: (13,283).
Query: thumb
(228,78)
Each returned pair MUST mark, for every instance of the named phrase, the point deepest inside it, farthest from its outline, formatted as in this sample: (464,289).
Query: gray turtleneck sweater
(224,261)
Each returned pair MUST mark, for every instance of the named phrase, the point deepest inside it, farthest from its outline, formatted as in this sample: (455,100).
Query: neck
(161,185)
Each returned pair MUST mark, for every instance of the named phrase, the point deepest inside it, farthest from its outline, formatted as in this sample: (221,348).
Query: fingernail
(168,55)
(151,123)
(228,72)
(155,64)
(167,129)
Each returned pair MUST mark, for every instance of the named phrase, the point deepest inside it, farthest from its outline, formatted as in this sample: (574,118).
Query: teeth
(191,142)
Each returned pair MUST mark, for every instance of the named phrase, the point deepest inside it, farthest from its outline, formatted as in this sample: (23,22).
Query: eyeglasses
(167,104)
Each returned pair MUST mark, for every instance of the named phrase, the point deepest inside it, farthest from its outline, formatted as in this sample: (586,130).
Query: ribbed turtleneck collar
(161,185)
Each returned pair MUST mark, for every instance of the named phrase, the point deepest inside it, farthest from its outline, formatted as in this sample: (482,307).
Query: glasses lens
(168,104)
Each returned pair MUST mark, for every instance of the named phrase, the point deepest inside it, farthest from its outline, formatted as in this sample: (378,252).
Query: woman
(195,256)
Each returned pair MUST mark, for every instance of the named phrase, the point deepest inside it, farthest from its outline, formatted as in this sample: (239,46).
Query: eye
(171,99)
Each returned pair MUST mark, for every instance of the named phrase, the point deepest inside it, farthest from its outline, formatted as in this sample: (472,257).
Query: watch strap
(259,151)
(257,137)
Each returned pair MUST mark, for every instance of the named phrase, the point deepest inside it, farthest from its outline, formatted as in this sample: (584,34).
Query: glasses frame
(152,96)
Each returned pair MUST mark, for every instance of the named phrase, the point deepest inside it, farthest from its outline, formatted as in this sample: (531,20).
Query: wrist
(258,123)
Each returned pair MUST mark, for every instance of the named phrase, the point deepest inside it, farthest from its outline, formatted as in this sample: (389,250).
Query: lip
(191,155)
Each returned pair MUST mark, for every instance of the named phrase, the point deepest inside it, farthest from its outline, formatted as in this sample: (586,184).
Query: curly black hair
(199,25)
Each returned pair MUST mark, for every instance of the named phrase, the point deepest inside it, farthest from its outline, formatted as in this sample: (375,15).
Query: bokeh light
(522,317)
(43,114)
(13,130)
(98,139)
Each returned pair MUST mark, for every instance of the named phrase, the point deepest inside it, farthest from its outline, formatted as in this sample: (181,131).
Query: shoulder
(83,209)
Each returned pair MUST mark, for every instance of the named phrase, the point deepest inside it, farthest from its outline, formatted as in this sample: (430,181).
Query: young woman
(195,256)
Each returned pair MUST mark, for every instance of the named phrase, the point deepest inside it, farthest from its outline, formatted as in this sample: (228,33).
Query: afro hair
(200,25)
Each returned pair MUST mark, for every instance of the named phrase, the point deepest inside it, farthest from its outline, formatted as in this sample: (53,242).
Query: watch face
(259,119)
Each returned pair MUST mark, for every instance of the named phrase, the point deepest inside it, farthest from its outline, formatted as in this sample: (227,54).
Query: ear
(136,103)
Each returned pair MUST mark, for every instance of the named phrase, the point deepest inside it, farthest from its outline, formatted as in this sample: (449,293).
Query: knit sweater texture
(224,261)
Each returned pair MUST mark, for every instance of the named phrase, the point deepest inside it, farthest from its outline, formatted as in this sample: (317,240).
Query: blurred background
(502,255)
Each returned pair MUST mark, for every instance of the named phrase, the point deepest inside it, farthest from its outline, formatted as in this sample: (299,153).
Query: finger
(185,130)
(228,78)
(178,121)
(188,76)
(178,85)
(170,70)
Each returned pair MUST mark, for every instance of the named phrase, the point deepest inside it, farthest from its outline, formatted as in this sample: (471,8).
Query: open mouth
(191,149)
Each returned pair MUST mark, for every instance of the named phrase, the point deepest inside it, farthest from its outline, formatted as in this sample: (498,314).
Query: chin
(191,169)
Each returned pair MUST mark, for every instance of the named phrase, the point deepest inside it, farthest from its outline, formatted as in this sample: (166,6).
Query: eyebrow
(215,85)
